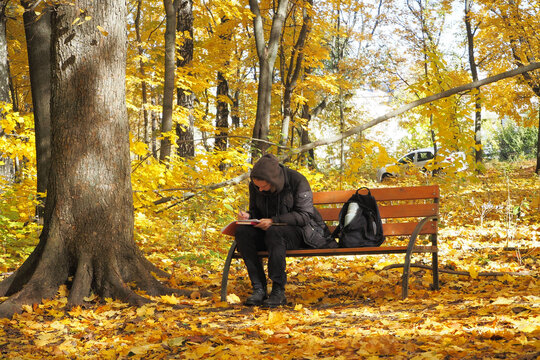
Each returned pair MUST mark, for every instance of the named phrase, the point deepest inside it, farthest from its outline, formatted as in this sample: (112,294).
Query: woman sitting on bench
(277,195)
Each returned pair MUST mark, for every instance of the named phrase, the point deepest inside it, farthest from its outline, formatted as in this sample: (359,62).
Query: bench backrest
(401,208)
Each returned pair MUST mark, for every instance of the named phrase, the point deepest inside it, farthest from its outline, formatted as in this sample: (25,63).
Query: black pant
(276,240)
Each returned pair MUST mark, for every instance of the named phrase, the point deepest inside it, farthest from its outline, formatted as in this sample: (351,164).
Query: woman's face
(263,185)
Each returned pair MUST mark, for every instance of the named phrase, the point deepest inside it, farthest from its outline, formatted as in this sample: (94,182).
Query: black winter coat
(293,206)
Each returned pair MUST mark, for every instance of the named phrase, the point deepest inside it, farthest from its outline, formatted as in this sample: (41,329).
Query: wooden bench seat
(407,213)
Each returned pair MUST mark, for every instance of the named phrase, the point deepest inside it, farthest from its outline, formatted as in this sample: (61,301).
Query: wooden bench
(407,212)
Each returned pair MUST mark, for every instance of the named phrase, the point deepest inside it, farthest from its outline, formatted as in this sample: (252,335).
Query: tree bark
(235,109)
(185,97)
(87,236)
(168,78)
(266,53)
(4,64)
(38,43)
(222,113)
(304,137)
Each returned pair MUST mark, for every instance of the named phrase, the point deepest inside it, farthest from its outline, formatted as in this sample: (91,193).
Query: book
(230,228)
(247,222)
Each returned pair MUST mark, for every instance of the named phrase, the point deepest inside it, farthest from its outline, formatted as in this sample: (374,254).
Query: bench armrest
(418,229)
(410,246)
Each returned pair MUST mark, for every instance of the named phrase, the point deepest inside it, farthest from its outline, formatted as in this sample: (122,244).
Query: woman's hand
(242,215)
(264,224)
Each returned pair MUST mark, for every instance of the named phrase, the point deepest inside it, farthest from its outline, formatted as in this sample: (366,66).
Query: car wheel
(386,176)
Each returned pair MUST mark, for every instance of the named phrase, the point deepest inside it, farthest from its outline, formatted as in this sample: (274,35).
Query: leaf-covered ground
(339,308)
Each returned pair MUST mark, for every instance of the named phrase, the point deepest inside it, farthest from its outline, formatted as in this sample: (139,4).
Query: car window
(425,155)
(406,159)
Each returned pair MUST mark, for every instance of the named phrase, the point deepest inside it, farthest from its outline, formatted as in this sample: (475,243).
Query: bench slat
(389,211)
(351,251)
(380,194)
(399,229)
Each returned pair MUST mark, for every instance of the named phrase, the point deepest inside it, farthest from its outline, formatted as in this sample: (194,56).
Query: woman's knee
(245,233)
(273,236)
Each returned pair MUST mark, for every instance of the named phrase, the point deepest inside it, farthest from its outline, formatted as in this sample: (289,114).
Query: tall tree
(474,73)
(222,112)
(222,96)
(292,71)
(171,7)
(185,97)
(38,42)
(87,236)
(510,27)
(144,91)
(522,21)
(267,53)
(7,168)
(4,63)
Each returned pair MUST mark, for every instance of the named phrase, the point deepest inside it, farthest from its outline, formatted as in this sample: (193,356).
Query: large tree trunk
(267,56)
(185,97)
(88,229)
(38,43)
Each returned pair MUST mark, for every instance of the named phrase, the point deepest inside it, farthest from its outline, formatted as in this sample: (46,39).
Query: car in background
(419,159)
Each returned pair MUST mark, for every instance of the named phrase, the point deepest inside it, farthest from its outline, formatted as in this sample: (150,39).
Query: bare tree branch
(401,110)
(358,129)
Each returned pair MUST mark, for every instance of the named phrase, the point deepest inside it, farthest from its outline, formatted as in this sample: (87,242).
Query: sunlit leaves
(344,307)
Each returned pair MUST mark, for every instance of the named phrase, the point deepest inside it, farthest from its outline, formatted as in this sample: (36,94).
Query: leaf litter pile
(488,305)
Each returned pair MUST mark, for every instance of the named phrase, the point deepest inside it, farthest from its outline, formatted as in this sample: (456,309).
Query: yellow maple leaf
(143,349)
(275,318)
(473,271)
(503,301)
(145,310)
(139,148)
(170,299)
(233,299)
(45,338)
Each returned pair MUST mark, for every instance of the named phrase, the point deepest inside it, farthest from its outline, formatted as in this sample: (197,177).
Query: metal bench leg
(226,268)
(408,254)
(435,264)
(405,276)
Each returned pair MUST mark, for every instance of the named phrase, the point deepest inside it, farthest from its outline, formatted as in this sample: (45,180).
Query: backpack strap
(363,188)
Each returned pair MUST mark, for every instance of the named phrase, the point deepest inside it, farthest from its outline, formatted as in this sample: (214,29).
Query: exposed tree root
(108,275)
(455,272)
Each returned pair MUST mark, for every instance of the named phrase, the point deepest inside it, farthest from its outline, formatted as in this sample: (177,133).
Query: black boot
(276,298)
(256,298)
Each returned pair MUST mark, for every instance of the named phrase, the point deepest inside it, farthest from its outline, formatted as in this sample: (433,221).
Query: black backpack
(364,226)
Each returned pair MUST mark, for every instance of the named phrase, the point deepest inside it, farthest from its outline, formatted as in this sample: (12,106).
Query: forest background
(338,65)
